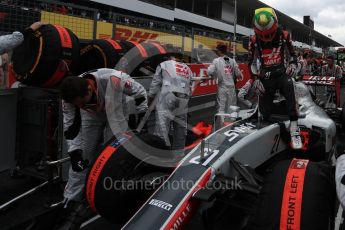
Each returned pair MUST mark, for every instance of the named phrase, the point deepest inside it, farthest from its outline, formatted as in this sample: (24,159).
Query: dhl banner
(208,43)
(239,48)
(82,27)
(188,44)
(104,30)
(139,35)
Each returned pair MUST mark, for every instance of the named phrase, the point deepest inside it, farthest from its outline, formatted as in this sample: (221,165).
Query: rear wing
(323,84)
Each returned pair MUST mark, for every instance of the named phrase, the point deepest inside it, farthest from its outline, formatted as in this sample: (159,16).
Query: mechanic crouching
(86,126)
(268,46)
(171,87)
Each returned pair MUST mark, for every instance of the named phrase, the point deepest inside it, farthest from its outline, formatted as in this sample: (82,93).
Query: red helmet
(265,24)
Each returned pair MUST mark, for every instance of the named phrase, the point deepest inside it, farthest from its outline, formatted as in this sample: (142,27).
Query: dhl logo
(139,35)
(134,35)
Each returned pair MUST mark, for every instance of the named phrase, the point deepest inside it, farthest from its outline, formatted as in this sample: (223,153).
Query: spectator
(63,10)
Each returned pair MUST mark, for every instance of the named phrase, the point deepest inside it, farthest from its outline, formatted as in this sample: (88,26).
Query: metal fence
(90,23)
(16,17)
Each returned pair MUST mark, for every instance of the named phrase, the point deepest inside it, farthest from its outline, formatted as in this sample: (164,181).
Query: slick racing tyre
(46,56)
(117,183)
(297,194)
(100,53)
(142,58)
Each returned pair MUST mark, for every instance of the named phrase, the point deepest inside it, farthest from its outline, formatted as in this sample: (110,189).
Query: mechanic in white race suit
(172,84)
(11,41)
(225,69)
(86,104)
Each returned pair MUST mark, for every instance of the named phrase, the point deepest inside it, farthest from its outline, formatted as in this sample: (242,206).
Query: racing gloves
(291,70)
(77,161)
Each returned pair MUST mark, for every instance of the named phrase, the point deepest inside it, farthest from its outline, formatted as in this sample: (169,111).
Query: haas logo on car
(235,133)
(319,80)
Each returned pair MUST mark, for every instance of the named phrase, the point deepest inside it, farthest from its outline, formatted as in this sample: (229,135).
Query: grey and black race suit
(274,56)
(98,122)
(173,86)
(225,69)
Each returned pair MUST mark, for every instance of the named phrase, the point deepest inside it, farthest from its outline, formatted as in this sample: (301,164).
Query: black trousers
(286,88)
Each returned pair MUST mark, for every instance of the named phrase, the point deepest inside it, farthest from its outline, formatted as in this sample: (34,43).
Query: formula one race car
(327,92)
(242,176)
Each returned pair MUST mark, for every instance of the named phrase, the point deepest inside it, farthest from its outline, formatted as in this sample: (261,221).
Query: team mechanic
(224,69)
(85,121)
(268,46)
(11,41)
(172,84)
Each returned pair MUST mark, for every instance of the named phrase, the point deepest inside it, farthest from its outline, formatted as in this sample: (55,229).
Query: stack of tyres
(100,53)
(46,56)
(127,56)
(142,58)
